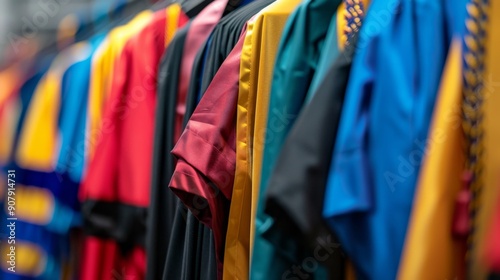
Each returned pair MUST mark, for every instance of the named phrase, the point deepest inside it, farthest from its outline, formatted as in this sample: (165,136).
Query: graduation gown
(297,185)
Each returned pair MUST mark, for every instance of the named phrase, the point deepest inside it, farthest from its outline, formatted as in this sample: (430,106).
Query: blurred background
(31,26)
(45,43)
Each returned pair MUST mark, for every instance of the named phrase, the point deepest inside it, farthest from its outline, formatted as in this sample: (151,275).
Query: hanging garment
(430,225)
(301,46)
(433,207)
(189,238)
(255,76)
(230,26)
(72,118)
(375,161)
(19,101)
(191,102)
(162,202)
(162,222)
(192,255)
(199,32)
(39,139)
(203,178)
(279,233)
(191,251)
(195,92)
(115,193)
(26,233)
(47,183)
(162,208)
(99,255)
(258,58)
(222,40)
(296,188)
(103,64)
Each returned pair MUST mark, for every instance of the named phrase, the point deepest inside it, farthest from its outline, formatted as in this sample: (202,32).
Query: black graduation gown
(191,254)
(297,186)
(162,219)
(190,250)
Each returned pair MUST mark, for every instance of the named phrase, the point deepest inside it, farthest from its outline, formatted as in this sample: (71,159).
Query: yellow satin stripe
(38,144)
(34,205)
(173,12)
(430,252)
(273,23)
(103,63)
(257,62)
(30,259)
(491,114)
(236,251)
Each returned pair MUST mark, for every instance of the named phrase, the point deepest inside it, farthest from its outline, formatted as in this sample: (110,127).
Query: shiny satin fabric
(205,23)
(271,21)
(388,107)
(204,175)
(236,251)
(208,61)
(257,63)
